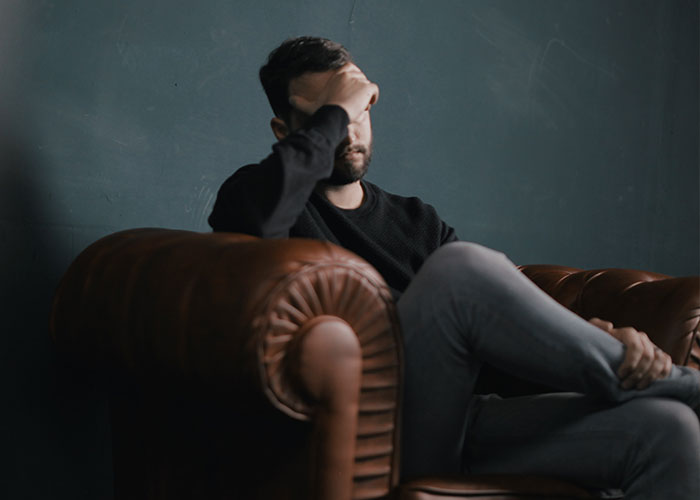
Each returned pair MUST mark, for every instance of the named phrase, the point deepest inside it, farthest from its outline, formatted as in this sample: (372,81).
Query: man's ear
(279,128)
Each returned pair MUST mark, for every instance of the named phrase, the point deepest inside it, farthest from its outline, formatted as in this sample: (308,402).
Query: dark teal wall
(559,131)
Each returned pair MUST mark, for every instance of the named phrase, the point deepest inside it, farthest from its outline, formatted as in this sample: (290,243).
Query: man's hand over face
(347,87)
(643,363)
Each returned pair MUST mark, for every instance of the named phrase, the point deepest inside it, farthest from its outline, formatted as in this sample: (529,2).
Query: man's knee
(465,258)
(669,425)
(668,446)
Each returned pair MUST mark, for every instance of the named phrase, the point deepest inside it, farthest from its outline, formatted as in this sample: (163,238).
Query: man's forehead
(310,83)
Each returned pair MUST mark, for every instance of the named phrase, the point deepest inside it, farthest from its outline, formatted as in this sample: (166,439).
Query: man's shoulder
(245,169)
(240,172)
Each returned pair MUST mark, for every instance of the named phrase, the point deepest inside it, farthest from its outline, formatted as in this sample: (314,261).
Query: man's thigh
(647,446)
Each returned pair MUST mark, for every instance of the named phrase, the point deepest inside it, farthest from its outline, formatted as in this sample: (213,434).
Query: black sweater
(276,199)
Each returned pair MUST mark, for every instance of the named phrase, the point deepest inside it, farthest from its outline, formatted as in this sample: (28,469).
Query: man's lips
(351,152)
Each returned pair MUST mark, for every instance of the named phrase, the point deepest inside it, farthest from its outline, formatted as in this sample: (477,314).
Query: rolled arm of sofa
(220,310)
(229,314)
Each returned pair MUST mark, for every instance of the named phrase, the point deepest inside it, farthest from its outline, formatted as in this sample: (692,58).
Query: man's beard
(346,170)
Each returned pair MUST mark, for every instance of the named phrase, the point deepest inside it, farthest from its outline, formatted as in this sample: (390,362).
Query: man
(627,422)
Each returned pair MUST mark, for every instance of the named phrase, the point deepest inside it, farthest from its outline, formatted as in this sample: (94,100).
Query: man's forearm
(266,199)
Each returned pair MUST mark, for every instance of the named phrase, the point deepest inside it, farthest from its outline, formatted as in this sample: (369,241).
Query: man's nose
(353,133)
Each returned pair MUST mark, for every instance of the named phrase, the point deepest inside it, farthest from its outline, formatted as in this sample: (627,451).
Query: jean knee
(673,425)
(466,259)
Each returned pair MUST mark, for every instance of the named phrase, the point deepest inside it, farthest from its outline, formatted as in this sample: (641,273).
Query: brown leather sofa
(241,368)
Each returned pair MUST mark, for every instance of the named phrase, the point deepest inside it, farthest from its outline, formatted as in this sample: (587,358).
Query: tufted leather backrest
(665,308)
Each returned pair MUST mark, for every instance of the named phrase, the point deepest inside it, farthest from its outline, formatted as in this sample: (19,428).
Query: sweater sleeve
(267,199)
(447,233)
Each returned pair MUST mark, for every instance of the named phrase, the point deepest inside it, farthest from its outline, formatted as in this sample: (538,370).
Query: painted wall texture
(558,131)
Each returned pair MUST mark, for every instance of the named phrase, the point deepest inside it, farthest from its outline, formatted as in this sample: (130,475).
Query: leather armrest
(242,320)
(217,310)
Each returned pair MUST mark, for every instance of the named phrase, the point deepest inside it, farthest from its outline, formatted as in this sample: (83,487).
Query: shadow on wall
(55,422)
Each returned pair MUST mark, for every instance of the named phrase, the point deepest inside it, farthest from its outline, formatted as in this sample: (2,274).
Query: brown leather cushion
(490,487)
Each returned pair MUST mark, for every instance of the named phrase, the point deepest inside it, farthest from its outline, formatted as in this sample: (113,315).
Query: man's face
(354,153)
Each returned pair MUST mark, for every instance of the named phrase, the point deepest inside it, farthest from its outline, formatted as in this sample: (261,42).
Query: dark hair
(293,58)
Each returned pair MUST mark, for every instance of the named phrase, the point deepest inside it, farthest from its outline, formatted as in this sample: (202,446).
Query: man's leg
(647,447)
(469,304)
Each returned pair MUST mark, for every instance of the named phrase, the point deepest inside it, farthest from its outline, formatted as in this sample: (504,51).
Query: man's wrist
(333,119)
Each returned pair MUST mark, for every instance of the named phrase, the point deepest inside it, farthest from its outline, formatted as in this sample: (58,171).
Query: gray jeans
(468,305)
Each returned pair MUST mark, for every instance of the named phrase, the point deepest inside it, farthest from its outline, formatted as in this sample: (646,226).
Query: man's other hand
(644,362)
(347,87)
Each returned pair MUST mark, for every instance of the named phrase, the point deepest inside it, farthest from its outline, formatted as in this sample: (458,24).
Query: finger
(645,360)
(351,68)
(645,381)
(643,365)
(668,366)
(350,71)
(660,368)
(302,104)
(653,372)
(633,352)
(606,326)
